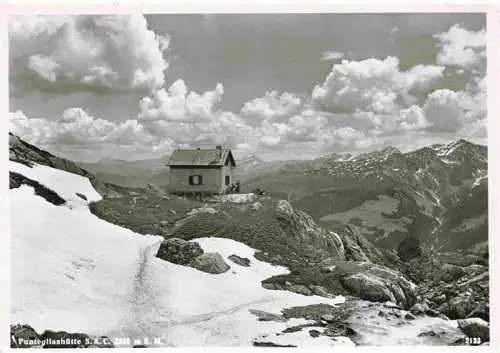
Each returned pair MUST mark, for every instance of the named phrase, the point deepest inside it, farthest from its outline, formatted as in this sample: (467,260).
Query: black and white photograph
(306,180)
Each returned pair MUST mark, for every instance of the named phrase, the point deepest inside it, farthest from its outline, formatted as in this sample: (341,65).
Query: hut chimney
(219,150)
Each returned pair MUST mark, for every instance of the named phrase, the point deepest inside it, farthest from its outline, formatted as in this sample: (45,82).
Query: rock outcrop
(22,152)
(188,253)
(475,328)
(179,251)
(464,294)
(210,263)
(302,227)
(379,284)
(242,261)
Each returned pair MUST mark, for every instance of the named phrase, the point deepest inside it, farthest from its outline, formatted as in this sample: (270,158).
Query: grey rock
(265,316)
(475,327)
(179,251)
(440,299)
(391,305)
(451,272)
(418,309)
(320,291)
(302,229)
(328,318)
(82,196)
(210,263)
(271,286)
(458,307)
(432,313)
(299,289)
(379,284)
(314,333)
(409,316)
(482,310)
(242,261)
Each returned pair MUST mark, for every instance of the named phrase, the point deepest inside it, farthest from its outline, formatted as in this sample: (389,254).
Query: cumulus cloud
(346,138)
(331,55)
(372,85)
(271,107)
(190,118)
(178,104)
(85,52)
(363,104)
(76,128)
(449,111)
(360,105)
(462,48)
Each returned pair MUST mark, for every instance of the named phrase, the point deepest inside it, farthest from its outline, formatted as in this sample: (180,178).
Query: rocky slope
(436,193)
(23,152)
(325,259)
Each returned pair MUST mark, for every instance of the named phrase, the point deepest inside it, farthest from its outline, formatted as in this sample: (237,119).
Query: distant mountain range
(438,193)
(155,171)
(130,173)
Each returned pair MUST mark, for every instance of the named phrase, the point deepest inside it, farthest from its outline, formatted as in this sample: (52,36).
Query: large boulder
(179,251)
(211,263)
(379,284)
(475,327)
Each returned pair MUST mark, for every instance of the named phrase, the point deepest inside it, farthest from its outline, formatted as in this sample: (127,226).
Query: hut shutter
(195,180)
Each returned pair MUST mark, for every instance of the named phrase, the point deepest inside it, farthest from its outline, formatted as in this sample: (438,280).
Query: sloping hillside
(134,174)
(23,152)
(102,279)
(437,193)
(287,281)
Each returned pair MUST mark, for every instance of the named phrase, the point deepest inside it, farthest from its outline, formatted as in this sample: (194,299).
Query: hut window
(195,180)
(227,180)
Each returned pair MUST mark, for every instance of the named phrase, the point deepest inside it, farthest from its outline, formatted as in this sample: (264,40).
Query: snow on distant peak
(446,150)
(480,177)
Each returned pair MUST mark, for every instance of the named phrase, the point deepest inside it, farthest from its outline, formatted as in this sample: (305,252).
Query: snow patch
(75,272)
(63,183)
(239,198)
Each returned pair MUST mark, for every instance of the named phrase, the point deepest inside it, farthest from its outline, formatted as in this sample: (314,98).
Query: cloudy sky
(281,86)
